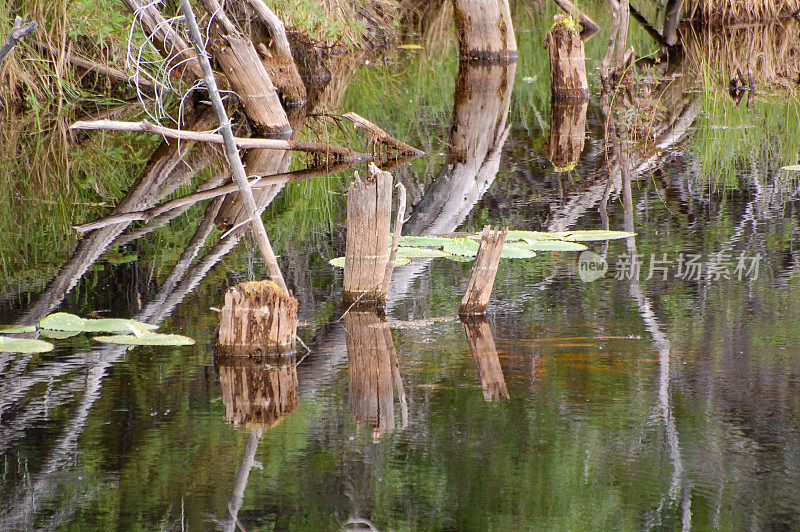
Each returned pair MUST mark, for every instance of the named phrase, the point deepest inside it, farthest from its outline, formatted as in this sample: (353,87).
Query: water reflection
(484,352)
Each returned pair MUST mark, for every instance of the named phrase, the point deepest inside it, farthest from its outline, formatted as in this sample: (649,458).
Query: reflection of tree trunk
(481,102)
(671,17)
(240,481)
(257,392)
(372,364)
(481,343)
(567,133)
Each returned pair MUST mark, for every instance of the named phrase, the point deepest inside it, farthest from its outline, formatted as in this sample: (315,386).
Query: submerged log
(378,137)
(567,61)
(369,212)
(374,373)
(257,392)
(484,352)
(258,318)
(484,270)
(567,134)
(484,30)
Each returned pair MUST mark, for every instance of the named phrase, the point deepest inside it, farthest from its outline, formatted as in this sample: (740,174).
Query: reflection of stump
(484,270)
(257,391)
(258,318)
(567,134)
(369,212)
(481,343)
(372,365)
(567,61)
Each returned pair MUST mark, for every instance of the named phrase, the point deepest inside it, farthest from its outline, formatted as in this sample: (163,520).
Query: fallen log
(378,135)
(339,153)
(22,28)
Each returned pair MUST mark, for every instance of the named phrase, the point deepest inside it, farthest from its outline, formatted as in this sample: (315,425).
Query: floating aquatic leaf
(461,246)
(424,241)
(417,253)
(460,258)
(553,245)
(146,338)
(64,321)
(58,335)
(339,261)
(17,329)
(591,236)
(24,345)
(795,168)
(515,251)
(531,236)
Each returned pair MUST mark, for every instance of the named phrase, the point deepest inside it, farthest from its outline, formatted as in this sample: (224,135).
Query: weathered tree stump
(567,133)
(374,372)
(258,319)
(257,392)
(567,61)
(484,270)
(484,30)
(369,212)
(484,352)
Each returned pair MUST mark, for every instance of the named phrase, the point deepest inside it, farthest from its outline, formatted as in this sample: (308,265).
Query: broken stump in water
(258,319)
(484,270)
(567,61)
(484,352)
(369,212)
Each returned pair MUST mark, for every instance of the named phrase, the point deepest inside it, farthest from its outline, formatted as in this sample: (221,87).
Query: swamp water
(664,400)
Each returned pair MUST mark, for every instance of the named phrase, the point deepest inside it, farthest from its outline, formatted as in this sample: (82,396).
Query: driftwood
(590,29)
(484,30)
(339,153)
(259,318)
(231,152)
(379,136)
(22,28)
(484,352)
(239,61)
(257,392)
(369,211)
(567,61)
(484,270)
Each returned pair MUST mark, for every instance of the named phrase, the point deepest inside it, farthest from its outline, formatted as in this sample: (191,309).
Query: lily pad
(467,247)
(147,338)
(24,345)
(17,329)
(553,245)
(530,236)
(64,321)
(591,236)
(58,335)
(424,241)
(418,253)
(339,261)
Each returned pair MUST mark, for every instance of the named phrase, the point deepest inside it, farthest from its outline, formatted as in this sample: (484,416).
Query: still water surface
(668,401)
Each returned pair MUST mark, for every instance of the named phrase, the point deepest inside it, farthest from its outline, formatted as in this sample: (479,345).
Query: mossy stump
(567,61)
(258,319)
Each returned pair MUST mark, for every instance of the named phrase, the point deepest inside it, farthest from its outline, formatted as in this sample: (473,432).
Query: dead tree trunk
(258,318)
(369,212)
(484,352)
(374,372)
(567,61)
(484,270)
(259,392)
(484,30)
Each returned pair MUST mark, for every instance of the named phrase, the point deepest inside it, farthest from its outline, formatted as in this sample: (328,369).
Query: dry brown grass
(733,11)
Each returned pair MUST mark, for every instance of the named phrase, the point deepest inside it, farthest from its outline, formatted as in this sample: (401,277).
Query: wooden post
(484,30)
(374,372)
(258,318)
(567,133)
(567,61)
(484,352)
(257,392)
(484,270)
(369,212)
